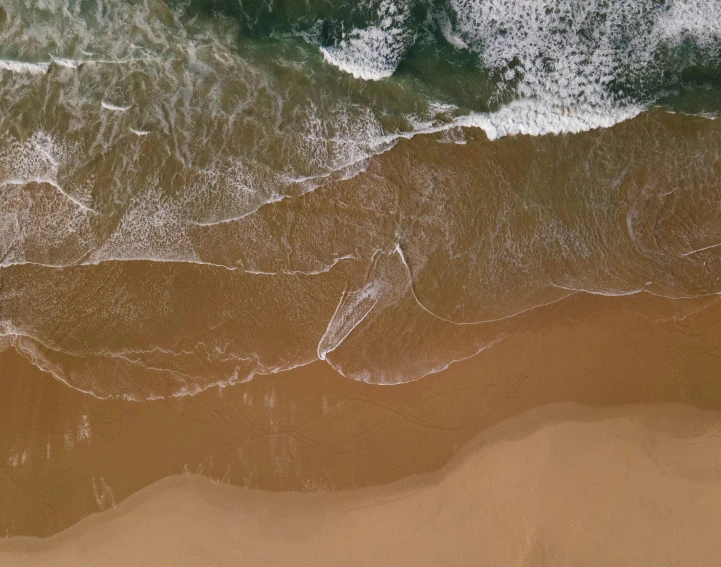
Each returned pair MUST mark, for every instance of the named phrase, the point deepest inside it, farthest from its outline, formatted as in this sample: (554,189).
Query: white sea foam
(530,117)
(369,54)
(372,53)
(561,51)
(148,226)
(699,19)
(115,107)
(535,118)
(39,159)
(352,309)
(47,181)
(67,63)
(571,53)
(24,67)
(452,37)
(563,79)
(560,57)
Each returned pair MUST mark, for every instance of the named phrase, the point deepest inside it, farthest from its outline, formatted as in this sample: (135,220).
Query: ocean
(194,193)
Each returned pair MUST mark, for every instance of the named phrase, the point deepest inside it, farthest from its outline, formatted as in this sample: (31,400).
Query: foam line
(51,182)
(115,107)
(24,67)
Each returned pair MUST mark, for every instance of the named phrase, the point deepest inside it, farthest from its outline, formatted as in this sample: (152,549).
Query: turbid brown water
(423,259)
(324,247)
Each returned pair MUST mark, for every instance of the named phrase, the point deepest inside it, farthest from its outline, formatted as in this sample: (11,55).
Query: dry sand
(562,485)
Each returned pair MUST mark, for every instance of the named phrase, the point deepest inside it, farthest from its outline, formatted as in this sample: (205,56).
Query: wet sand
(560,485)
(223,258)
(66,455)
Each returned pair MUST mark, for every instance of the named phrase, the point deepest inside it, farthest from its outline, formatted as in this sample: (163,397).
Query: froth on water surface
(431,254)
(489,205)
(255,101)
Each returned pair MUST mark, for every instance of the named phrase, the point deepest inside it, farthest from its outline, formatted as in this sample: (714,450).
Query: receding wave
(441,247)
(388,186)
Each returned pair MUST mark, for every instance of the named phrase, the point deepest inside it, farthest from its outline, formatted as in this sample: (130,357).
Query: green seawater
(205,110)
(674,72)
(276,97)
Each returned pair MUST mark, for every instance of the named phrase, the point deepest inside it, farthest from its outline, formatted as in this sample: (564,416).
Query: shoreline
(658,471)
(311,430)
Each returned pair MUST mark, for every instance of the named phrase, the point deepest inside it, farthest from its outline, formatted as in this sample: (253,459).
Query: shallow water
(435,243)
(193,193)
(225,225)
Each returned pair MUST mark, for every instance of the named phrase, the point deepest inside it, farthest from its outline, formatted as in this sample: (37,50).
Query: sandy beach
(375,282)
(580,422)
(553,486)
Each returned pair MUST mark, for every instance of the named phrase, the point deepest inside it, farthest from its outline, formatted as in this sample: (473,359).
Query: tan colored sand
(65,455)
(559,486)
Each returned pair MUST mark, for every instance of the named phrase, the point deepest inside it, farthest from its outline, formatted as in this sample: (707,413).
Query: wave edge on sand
(543,467)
